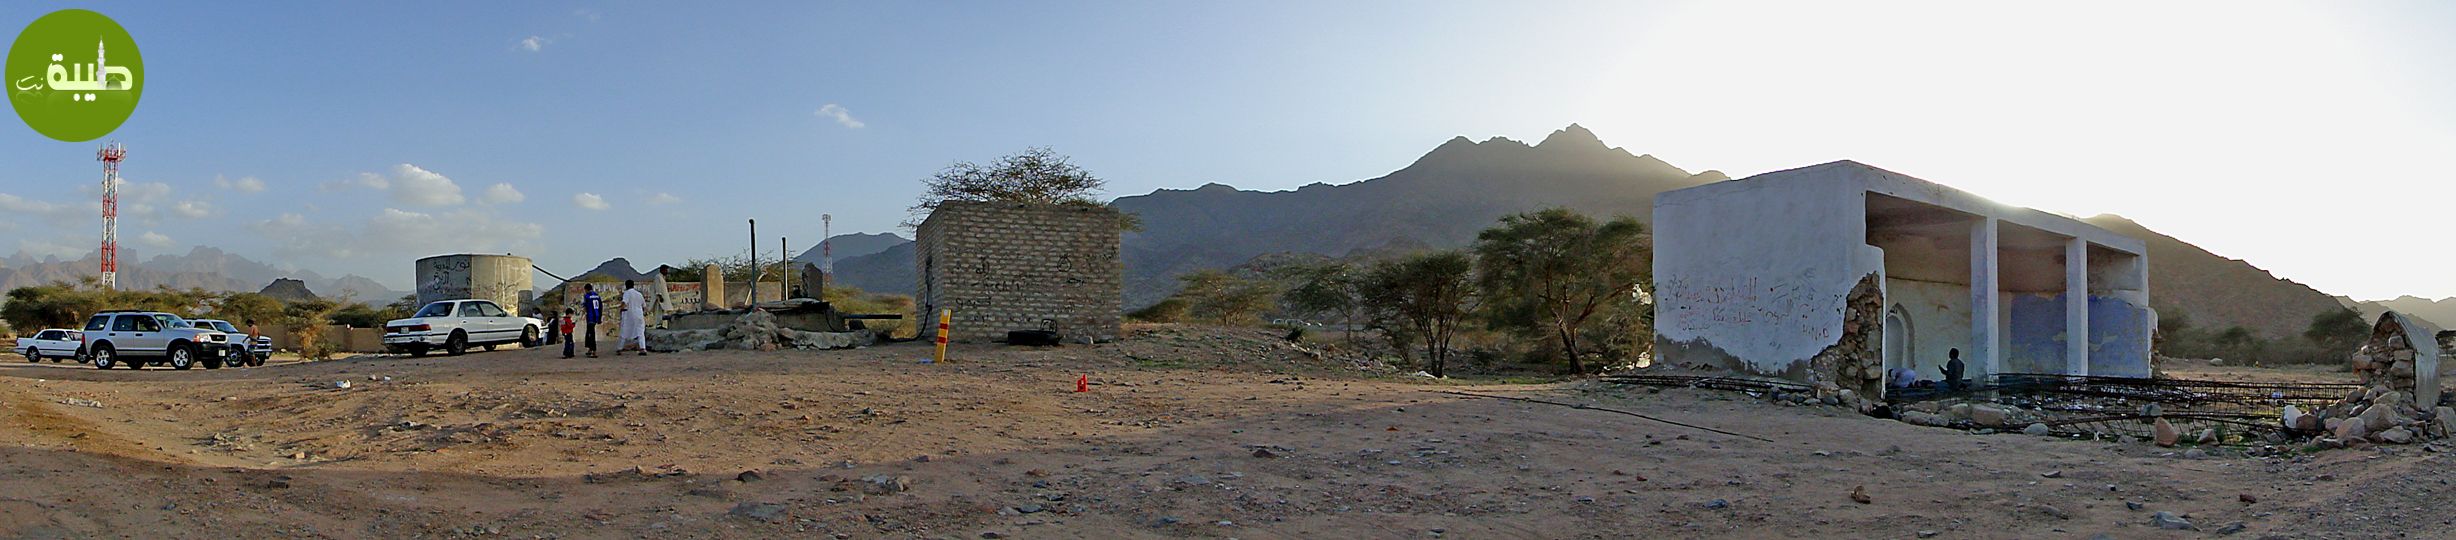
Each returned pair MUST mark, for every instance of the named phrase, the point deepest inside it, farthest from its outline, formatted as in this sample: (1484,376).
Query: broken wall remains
(1017,266)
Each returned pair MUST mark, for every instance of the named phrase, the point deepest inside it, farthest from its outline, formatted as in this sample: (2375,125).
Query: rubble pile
(755,331)
(2388,408)
(1852,370)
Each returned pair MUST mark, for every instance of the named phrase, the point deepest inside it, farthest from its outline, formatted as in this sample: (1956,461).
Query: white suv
(456,325)
(258,350)
(135,338)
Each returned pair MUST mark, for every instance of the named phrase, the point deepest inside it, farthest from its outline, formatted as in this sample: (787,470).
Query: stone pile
(1853,368)
(2373,414)
(755,331)
(2386,409)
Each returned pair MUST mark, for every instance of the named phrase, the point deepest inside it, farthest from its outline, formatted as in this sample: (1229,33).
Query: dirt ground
(1184,433)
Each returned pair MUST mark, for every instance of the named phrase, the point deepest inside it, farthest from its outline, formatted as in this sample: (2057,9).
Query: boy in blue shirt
(595,307)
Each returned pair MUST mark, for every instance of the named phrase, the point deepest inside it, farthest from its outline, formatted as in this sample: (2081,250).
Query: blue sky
(2260,131)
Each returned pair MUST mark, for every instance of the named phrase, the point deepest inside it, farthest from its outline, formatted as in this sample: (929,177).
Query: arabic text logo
(61,92)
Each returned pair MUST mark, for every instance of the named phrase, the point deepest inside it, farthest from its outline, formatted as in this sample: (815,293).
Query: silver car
(135,338)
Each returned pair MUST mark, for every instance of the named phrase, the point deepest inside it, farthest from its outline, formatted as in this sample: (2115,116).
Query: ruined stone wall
(1013,266)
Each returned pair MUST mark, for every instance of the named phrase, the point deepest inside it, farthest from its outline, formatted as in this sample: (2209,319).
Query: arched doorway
(1897,339)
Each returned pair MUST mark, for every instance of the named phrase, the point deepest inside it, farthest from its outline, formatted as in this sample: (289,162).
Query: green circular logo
(74,75)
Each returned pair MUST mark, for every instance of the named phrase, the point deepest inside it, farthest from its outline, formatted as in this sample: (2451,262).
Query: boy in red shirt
(567,324)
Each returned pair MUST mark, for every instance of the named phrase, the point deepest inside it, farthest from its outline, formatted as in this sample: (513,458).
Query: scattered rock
(2207,436)
(882,484)
(1264,453)
(82,402)
(2165,433)
(2133,506)
(1927,534)
(2051,474)
(992,535)
(749,476)
(2037,429)
(1860,495)
(2231,528)
(768,512)
(2352,428)
(2053,512)
(343,385)
(2169,521)
(1193,480)
(1717,504)
(2395,436)
(2246,498)
(2195,453)
(1988,415)
(1919,418)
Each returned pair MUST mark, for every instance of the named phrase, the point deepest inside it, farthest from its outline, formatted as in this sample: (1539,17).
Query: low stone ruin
(1852,370)
(755,331)
(2399,401)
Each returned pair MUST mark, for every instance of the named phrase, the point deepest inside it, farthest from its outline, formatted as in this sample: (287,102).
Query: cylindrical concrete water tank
(505,279)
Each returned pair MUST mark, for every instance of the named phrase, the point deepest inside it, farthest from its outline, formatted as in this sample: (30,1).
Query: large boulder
(2165,433)
(2352,428)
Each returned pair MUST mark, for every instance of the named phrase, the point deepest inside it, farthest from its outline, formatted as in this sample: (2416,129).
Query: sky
(2312,139)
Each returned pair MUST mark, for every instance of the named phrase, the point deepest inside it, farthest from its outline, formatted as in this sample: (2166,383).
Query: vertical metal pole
(784,257)
(754,263)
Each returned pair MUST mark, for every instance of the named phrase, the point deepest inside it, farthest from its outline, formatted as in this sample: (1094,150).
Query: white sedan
(455,325)
(55,344)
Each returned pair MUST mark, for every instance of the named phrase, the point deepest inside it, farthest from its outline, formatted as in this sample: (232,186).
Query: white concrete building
(1753,275)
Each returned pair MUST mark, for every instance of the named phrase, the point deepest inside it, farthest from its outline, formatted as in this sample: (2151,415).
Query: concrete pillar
(712,287)
(2076,307)
(1985,356)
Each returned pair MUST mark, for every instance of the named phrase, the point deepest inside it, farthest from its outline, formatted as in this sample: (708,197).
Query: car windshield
(172,321)
(220,325)
(438,309)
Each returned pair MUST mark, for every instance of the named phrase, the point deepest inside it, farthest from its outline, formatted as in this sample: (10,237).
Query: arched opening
(1897,339)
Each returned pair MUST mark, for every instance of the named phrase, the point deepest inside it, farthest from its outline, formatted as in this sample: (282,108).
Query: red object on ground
(1083,384)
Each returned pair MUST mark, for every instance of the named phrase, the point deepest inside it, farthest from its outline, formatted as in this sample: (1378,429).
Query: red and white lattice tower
(110,155)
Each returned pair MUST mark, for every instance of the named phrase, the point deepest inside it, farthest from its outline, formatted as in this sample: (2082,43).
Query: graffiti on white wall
(1768,312)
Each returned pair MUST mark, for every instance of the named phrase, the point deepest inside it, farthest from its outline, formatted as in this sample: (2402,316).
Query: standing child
(594,307)
(564,323)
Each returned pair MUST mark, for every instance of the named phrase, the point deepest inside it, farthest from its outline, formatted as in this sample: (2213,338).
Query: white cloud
(662,199)
(534,43)
(840,115)
(153,240)
(590,201)
(401,233)
(245,184)
(65,249)
(192,209)
(420,187)
(502,194)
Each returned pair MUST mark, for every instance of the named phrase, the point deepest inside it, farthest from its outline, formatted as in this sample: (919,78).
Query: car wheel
(104,358)
(457,345)
(528,337)
(33,355)
(183,357)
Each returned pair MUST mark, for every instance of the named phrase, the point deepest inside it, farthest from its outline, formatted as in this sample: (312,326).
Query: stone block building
(1838,272)
(1004,266)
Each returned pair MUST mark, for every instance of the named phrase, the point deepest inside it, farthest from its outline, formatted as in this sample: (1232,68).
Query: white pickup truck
(456,325)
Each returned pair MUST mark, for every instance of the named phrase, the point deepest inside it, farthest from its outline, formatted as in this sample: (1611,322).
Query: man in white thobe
(635,320)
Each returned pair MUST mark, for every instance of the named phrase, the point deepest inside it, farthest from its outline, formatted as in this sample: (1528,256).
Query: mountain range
(1463,186)
(200,268)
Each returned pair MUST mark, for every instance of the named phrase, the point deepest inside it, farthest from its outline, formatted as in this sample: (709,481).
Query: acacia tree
(1334,289)
(1422,298)
(1223,298)
(1035,175)
(1556,268)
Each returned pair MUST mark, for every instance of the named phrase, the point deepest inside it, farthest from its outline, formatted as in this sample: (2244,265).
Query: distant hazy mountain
(1441,200)
(1463,186)
(2439,312)
(200,268)
(848,246)
(2217,292)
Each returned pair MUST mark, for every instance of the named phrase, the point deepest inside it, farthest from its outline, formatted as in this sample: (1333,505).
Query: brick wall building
(1016,266)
